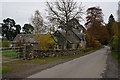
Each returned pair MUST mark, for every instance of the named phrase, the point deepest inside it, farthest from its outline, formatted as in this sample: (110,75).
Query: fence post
(18,51)
(24,51)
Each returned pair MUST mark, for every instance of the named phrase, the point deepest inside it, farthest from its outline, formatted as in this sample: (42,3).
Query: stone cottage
(75,39)
(26,39)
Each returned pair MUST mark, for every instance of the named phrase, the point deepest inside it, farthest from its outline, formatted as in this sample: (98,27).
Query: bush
(115,47)
(114,43)
(92,42)
(46,41)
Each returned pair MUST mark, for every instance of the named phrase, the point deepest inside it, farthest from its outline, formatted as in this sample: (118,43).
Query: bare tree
(62,12)
(37,22)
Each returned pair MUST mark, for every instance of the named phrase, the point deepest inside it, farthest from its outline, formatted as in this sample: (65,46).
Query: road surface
(88,66)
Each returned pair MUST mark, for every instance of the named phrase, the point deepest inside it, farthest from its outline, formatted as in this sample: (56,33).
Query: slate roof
(80,35)
(26,37)
(72,36)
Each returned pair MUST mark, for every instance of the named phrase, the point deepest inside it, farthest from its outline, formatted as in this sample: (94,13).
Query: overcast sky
(22,11)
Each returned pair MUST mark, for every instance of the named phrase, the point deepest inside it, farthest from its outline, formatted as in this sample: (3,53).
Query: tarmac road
(88,66)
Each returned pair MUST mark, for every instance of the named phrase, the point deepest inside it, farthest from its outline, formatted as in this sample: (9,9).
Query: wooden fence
(13,51)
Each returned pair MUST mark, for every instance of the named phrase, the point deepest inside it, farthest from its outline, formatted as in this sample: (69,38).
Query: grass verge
(116,55)
(5,70)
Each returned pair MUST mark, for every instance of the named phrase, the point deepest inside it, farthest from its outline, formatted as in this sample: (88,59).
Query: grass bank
(116,55)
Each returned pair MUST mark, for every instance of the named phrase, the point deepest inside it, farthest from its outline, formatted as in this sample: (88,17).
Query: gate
(13,52)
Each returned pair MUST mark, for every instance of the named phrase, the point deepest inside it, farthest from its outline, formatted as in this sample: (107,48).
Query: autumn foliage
(46,41)
(91,41)
(95,28)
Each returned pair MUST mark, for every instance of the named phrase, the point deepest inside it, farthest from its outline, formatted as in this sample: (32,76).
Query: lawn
(4,43)
(9,53)
(7,67)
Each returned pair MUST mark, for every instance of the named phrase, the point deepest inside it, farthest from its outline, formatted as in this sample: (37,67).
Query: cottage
(26,39)
(75,39)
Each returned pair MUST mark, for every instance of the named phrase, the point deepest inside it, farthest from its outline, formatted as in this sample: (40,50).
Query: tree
(111,19)
(28,29)
(62,13)
(95,25)
(116,28)
(47,41)
(94,15)
(10,29)
(94,21)
(104,36)
(91,41)
(109,25)
(37,22)
(52,29)
(115,40)
(18,28)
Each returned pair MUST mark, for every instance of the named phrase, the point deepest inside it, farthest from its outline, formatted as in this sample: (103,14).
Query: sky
(21,11)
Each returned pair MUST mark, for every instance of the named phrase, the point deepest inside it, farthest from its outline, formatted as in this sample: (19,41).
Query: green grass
(5,41)
(5,60)
(116,55)
(5,70)
(9,53)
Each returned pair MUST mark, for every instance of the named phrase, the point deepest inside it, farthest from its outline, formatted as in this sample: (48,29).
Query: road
(88,66)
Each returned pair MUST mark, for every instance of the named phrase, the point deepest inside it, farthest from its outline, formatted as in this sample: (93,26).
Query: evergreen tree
(10,29)
(28,29)
(109,25)
(111,19)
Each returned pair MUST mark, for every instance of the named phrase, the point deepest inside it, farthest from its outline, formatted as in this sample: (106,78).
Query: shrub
(114,43)
(46,41)
(92,42)
(115,46)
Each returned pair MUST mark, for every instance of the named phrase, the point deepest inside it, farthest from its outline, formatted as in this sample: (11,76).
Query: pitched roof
(26,37)
(79,35)
(70,36)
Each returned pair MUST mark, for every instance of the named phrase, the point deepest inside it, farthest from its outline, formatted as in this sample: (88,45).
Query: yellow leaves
(97,43)
(115,28)
(52,29)
(46,41)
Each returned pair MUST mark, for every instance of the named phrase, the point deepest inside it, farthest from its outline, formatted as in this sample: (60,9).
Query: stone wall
(31,53)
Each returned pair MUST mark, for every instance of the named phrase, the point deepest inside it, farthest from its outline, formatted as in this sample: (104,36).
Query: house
(26,39)
(75,39)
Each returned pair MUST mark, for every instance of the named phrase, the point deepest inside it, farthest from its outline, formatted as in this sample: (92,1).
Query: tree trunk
(65,44)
